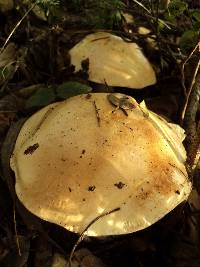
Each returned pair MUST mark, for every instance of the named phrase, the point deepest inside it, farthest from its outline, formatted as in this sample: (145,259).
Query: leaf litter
(35,71)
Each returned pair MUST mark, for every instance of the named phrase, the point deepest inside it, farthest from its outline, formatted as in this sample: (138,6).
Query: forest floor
(35,71)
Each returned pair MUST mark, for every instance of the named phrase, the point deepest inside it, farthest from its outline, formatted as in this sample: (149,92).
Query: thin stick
(140,4)
(149,12)
(190,90)
(183,67)
(194,153)
(15,226)
(81,237)
(97,114)
(196,157)
(16,27)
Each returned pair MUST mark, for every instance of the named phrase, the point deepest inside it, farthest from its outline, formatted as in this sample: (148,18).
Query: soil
(35,71)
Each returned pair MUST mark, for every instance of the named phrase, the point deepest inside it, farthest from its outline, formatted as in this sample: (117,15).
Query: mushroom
(151,41)
(113,60)
(94,153)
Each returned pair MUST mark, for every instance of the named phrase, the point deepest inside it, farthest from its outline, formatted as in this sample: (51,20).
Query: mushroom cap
(113,60)
(77,159)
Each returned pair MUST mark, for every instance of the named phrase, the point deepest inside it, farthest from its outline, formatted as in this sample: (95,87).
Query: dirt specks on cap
(91,188)
(119,185)
(31,149)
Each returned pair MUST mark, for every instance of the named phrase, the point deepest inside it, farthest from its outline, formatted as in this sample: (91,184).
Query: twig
(97,114)
(152,15)
(196,147)
(188,116)
(194,153)
(183,67)
(140,4)
(192,127)
(16,234)
(16,27)
(190,90)
(81,237)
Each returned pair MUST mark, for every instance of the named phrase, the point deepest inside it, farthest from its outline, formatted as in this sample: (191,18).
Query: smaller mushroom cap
(113,60)
(80,158)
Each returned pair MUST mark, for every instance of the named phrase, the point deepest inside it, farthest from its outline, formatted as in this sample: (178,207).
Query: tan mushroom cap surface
(77,159)
(113,60)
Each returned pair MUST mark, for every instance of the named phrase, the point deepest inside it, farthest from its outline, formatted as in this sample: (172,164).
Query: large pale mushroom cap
(114,61)
(77,159)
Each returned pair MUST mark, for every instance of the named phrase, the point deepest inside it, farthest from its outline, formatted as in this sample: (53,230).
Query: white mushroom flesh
(80,158)
(113,61)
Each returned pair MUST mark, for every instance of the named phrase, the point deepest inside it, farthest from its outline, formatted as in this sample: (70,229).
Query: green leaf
(189,39)
(47,3)
(196,14)
(196,26)
(41,98)
(177,7)
(69,89)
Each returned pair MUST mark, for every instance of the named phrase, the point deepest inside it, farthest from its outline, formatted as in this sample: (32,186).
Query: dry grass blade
(81,237)
(150,13)
(190,89)
(140,4)
(15,226)
(16,26)
(187,93)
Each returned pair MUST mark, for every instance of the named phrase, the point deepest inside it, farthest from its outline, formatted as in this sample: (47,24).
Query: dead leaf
(6,5)
(8,54)
(82,258)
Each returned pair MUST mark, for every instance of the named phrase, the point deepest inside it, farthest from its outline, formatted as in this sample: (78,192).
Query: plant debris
(35,71)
